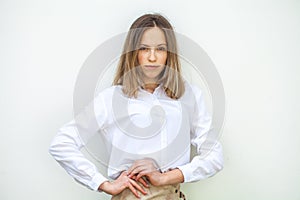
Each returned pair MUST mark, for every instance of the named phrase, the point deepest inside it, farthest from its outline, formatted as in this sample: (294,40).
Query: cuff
(97,180)
(187,174)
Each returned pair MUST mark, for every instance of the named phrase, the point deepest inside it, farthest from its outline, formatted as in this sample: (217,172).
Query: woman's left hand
(147,168)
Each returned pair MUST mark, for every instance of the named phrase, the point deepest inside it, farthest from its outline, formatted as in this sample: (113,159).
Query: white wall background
(254,44)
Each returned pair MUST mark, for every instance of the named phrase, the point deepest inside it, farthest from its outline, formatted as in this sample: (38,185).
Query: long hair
(128,74)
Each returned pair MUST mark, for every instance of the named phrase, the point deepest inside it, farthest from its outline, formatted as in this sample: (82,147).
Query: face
(152,54)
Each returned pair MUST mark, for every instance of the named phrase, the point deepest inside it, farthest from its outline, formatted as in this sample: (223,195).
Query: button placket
(163,133)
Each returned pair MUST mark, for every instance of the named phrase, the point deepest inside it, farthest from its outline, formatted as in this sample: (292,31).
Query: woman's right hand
(120,184)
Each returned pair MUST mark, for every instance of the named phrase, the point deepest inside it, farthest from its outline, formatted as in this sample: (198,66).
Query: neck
(150,87)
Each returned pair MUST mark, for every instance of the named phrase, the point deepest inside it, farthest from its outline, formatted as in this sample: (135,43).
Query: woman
(148,75)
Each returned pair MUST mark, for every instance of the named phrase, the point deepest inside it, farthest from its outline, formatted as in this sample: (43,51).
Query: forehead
(153,37)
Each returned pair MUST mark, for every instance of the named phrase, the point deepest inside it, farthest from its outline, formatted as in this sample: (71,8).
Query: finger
(143,182)
(134,172)
(140,175)
(123,173)
(130,169)
(140,169)
(133,190)
(133,166)
(133,177)
(137,163)
(137,186)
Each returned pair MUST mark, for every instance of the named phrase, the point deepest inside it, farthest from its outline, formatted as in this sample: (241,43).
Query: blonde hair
(128,74)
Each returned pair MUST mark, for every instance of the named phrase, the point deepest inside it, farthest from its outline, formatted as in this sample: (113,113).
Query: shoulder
(109,91)
(112,94)
(192,96)
(192,90)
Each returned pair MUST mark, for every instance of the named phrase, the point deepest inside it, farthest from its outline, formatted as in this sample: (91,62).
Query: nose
(152,55)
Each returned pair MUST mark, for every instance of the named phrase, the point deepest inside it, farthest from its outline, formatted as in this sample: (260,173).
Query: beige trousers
(167,192)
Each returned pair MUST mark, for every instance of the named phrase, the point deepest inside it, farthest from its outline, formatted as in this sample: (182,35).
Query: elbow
(219,164)
(56,151)
(57,146)
(216,167)
(52,149)
(219,159)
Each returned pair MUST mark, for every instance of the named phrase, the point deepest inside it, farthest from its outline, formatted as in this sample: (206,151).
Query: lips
(151,66)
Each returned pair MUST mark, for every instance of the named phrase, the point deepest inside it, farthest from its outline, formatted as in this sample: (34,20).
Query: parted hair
(128,74)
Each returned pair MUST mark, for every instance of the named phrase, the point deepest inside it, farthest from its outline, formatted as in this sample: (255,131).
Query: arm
(209,158)
(66,145)
(172,177)
(65,149)
(147,168)
(121,183)
(206,164)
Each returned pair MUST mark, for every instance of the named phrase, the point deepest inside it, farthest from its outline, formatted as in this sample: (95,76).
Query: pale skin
(152,56)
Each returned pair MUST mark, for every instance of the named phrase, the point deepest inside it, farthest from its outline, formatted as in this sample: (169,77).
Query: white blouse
(149,126)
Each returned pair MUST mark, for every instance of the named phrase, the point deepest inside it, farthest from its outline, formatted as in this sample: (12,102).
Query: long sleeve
(66,145)
(209,158)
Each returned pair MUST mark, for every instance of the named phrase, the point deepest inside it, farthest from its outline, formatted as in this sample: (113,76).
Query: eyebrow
(150,46)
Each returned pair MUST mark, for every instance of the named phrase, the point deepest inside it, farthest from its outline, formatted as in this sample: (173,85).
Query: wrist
(172,177)
(163,179)
(105,186)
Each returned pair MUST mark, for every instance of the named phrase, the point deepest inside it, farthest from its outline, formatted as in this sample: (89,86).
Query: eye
(161,48)
(143,49)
